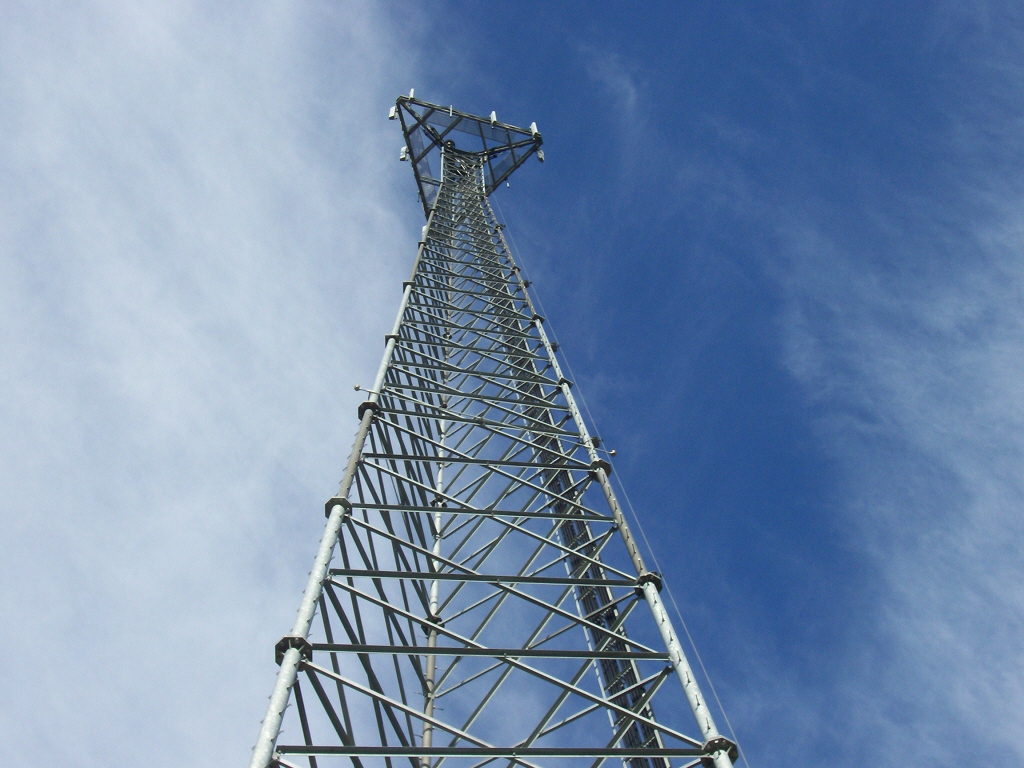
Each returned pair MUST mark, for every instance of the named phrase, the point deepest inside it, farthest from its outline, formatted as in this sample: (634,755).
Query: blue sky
(779,244)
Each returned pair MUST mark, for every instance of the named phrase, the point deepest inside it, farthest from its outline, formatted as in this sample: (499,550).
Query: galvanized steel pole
(264,749)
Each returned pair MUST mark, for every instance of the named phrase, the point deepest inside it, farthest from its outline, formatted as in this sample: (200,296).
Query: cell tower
(477,596)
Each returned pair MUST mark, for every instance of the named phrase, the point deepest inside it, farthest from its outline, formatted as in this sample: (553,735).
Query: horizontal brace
(624,753)
(556,458)
(480,275)
(497,318)
(497,426)
(437,314)
(516,653)
(487,332)
(473,372)
(521,398)
(576,465)
(448,255)
(470,271)
(523,483)
(483,577)
(504,360)
(396,388)
(461,508)
(573,620)
(442,273)
(589,516)
(496,297)
(408,342)
(487,295)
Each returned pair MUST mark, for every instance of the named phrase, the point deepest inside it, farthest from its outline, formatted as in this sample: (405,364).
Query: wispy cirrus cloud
(906,327)
(920,383)
(620,84)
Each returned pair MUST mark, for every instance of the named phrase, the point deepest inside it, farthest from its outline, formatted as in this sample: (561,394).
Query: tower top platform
(430,127)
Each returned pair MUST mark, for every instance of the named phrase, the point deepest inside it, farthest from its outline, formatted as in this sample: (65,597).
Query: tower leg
(680,665)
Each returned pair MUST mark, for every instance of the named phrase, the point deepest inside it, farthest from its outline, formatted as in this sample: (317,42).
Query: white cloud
(198,236)
(620,83)
(918,367)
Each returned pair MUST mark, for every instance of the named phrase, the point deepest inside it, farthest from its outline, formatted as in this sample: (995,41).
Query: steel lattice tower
(477,596)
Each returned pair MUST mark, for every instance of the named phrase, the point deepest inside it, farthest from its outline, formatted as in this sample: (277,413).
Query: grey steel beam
(525,653)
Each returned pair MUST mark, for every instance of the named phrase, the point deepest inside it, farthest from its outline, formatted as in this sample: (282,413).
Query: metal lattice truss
(477,596)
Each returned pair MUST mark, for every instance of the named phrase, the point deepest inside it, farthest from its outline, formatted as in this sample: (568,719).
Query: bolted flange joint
(389,336)
(648,577)
(565,381)
(597,464)
(293,641)
(335,500)
(368,405)
(719,744)
(434,619)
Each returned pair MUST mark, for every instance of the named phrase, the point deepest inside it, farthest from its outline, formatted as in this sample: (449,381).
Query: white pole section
(263,752)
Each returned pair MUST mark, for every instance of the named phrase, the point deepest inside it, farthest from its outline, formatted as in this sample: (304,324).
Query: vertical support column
(430,673)
(291,661)
(649,583)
